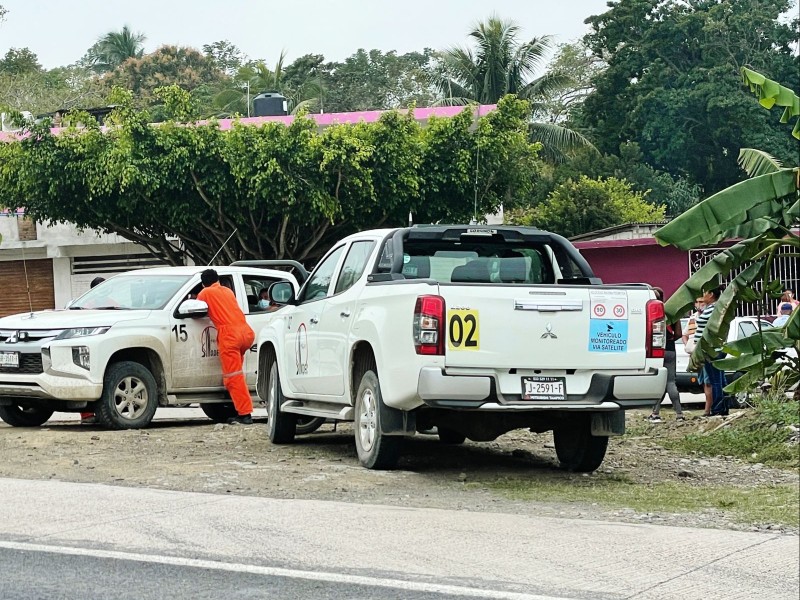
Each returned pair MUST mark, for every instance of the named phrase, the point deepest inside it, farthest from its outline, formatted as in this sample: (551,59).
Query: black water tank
(269,104)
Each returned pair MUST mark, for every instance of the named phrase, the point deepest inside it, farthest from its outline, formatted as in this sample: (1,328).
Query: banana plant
(760,212)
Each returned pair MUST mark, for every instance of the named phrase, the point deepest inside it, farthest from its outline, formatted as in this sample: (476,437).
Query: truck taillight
(656,329)
(429,325)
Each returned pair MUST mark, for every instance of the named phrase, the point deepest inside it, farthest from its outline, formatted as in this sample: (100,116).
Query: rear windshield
(478,262)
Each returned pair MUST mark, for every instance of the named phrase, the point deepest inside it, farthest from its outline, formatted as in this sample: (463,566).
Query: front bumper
(480,392)
(49,387)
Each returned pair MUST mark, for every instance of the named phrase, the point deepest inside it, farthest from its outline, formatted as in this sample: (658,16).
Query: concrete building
(46,266)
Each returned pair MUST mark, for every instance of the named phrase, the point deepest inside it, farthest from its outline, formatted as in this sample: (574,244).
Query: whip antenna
(477,164)
(225,243)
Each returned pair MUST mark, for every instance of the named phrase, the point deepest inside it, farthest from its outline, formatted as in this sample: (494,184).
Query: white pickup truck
(135,342)
(473,330)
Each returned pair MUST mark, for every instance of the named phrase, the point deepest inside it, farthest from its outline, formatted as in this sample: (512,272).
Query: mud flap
(397,422)
(608,423)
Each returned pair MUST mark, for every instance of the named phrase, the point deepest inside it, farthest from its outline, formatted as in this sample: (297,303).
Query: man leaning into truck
(234,338)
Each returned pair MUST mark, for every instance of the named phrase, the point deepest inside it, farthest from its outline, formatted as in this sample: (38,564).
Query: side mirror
(192,309)
(281,292)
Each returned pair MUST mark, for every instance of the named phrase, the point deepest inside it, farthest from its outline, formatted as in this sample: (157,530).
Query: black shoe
(241,420)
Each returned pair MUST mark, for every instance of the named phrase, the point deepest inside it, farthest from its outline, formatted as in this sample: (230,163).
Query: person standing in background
(673,333)
(713,378)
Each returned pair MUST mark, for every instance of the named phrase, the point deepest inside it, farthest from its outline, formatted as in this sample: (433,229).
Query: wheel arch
(148,358)
(266,354)
(362,359)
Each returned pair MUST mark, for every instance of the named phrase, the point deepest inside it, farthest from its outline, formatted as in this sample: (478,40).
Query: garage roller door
(13,292)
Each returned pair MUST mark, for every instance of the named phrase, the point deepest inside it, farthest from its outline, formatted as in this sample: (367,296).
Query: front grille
(28,363)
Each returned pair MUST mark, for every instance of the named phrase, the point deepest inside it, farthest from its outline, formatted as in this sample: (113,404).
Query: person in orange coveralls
(234,338)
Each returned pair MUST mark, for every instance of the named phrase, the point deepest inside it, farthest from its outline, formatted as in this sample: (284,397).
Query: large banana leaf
(757,162)
(764,202)
(771,93)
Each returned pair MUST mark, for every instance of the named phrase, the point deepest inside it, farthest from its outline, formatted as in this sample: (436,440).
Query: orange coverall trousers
(233,342)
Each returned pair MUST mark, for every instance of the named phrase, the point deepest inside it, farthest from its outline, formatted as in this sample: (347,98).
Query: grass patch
(776,504)
(760,437)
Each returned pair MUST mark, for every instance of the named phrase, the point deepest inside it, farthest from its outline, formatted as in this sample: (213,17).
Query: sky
(60,31)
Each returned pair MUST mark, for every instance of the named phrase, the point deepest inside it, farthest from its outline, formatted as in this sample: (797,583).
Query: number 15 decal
(463,330)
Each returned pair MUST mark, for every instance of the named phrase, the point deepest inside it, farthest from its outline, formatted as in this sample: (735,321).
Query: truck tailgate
(545,327)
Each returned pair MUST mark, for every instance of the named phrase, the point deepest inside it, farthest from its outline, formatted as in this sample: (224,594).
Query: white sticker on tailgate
(608,325)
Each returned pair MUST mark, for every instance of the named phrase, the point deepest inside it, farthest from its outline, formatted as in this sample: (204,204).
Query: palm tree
(114,48)
(260,78)
(499,64)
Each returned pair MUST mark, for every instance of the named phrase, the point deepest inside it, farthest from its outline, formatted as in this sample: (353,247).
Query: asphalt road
(66,540)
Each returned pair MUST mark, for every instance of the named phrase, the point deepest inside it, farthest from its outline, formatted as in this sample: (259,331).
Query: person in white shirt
(785,312)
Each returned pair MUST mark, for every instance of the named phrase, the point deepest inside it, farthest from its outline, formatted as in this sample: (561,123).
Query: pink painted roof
(326,119)
(367,116)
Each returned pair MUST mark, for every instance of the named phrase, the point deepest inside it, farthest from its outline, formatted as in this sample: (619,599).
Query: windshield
(132,292)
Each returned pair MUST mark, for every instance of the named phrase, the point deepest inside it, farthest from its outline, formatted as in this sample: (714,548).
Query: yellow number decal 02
(463,331)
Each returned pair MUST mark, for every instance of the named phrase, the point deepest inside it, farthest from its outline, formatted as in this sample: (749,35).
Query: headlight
(76,332)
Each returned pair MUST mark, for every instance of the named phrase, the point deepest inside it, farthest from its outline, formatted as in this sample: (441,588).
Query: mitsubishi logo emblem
(17,336)
(549,332)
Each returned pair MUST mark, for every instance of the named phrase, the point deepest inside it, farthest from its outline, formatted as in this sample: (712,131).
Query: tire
(450,436)
(577,449)
(282,426)
(25,416)
(129,398)
(219,412)
(306,424)
(375,450)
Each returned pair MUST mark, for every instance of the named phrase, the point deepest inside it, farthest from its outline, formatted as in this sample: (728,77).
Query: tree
(374,80)
(286,191)
(675,193)
(759,211)
(227,57)
(114,48)
(671,84)
(169,65)
(500,64)
(19,62)
(47,91)
(576,207)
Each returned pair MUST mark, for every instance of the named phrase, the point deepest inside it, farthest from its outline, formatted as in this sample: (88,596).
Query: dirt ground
(196,455)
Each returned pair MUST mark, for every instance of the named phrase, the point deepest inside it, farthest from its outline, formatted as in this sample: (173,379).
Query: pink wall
(665,267)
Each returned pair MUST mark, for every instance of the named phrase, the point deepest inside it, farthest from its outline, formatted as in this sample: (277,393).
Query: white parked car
(135,342)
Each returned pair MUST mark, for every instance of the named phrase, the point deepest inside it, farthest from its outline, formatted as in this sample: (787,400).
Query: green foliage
(288,191)
(114,48)
(763,438)
(370,80)
(169,65)
(677,195)
(227,57)
(576,207)
(761,212)
(673,82)
(19,62)
(48,91)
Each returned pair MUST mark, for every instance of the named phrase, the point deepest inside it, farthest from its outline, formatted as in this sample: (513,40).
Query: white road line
(413,586)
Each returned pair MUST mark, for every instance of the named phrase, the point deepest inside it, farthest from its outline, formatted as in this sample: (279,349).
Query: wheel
(219,412)
(577,449)
(129,398)
(25,416)
(375,450)
(306,424)
(450,436)
(282,426)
